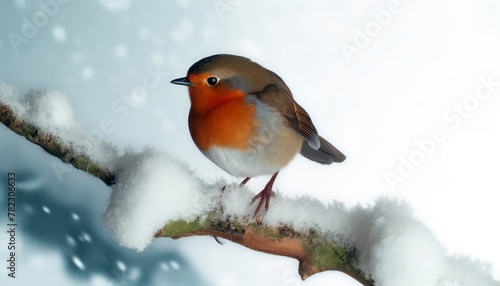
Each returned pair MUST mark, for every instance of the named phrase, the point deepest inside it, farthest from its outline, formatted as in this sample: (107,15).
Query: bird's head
(216,79)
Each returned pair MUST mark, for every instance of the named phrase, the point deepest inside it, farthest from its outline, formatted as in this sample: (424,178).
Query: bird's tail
(326,154)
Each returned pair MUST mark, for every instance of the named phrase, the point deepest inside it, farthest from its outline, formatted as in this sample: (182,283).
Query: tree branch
(314,252)
(53,145)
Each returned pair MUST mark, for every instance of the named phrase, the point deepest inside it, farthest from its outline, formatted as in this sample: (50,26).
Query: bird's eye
(212,80)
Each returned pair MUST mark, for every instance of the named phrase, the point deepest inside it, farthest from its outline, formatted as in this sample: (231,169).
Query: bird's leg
(265,197)
(245,181)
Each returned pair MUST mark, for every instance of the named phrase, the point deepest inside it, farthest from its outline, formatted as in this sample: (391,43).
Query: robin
(244,119)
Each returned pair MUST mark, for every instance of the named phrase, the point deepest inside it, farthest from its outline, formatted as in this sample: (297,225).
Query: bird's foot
(265,198)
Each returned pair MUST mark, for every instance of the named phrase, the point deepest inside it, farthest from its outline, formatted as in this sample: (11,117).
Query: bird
(244,118)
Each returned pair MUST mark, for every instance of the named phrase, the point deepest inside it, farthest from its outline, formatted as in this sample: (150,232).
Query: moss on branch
(315,253)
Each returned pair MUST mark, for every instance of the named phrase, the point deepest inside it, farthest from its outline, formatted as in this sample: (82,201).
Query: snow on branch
(154,195)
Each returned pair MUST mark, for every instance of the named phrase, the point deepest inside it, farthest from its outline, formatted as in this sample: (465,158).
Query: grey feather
(326,154)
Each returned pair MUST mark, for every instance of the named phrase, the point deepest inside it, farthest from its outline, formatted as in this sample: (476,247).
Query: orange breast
(230,124)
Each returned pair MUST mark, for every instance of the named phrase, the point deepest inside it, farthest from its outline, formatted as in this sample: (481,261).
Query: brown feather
(297,118)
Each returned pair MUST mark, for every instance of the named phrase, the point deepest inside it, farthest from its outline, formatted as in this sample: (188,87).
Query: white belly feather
(273,147)
(241,164)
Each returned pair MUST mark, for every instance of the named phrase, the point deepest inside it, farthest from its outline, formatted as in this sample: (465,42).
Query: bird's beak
(181,81)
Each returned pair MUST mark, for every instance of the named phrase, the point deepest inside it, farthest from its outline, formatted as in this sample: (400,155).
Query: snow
(120,51)
(51,112)
(20,3)
(78,263)
(87,73)
(116,5)
(59,34)
(153,188)
(8,96)
(394,247)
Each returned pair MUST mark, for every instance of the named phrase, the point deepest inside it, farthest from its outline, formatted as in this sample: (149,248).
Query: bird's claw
(265,198)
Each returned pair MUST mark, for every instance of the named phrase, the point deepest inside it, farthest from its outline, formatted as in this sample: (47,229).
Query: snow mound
(8,96)
(50,111)
(151,190)
(394,248)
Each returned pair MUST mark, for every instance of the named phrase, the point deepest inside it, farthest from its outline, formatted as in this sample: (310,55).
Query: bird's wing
(297,118)
(315,147)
